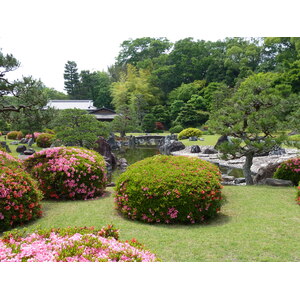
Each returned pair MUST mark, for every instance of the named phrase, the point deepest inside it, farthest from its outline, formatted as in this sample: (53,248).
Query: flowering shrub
(14,135)
(19,197)
(169,189)
(9,161)
(189,132)
(72,245)
(289,170)
(298,194)
(35,134)
(68,173)
(44,140)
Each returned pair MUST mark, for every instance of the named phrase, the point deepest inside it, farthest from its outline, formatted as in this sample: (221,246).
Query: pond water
(133,155)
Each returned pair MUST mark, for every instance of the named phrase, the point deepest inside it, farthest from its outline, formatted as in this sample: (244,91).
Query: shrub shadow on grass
(220,220)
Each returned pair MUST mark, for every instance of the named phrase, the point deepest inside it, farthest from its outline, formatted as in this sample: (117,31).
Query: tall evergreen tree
(71,77)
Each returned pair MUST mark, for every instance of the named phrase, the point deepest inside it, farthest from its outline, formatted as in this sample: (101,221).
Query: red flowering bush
(45,140)
(298,194)
(72,245)
(289,170)
(14,135)
(169,189)
(68,173)
(19,198)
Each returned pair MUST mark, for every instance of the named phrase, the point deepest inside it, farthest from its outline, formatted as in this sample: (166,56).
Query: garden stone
(195,149)
(227,178)
(14,143)
(277,151)
(30,142)
(239,180)
(278,182)
(105,150)
(210,151)
(171,146)
(5,146)
(265,172)
(23,141)
(29,151)
(112,142)
(201,139)
(222,139)
(193,138)
(21,148)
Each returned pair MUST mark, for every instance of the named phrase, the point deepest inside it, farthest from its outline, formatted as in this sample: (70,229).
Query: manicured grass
(257,223)
(14,147)
(209,140)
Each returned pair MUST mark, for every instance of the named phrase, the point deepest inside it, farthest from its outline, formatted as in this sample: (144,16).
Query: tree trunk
(247,169)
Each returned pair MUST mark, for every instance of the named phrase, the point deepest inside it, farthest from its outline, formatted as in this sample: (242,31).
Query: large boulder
(195,149)
(104,149)
(112,142)
(168,145)
(210,151)
(265,172)
(222,139)
(5,146)
(21,148)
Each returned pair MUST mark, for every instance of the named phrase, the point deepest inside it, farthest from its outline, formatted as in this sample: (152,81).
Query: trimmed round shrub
(169,189)
(45,140)
(68,173)
(19,197)
(14,135)
(83,244)
(289,170)
(176,129)
(189,132)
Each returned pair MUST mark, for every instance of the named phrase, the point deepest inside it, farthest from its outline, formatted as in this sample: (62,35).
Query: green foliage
(19,194)
(45,140)
(149,123)
(14,135)
(71,77)
(68,173)
(189,132)
(75,127)
(289,170)
(138,50)
(176,129)
(169,189)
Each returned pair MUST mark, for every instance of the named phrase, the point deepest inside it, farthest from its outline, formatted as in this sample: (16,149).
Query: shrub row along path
(258,162)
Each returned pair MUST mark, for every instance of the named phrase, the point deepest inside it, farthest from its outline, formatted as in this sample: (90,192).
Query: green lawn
(14,147)
(257,223)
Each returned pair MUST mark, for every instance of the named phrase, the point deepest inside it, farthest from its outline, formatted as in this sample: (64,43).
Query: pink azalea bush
(72,245)
(68,173)
(19,194)
(35,134)
(169,189)
(289,170)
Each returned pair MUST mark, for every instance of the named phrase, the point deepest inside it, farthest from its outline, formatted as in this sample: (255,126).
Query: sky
(44,35)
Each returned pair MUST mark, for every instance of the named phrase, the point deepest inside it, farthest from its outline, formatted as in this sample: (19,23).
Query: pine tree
(71,77)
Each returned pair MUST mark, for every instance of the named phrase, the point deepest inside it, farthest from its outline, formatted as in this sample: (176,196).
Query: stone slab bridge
(145,139)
